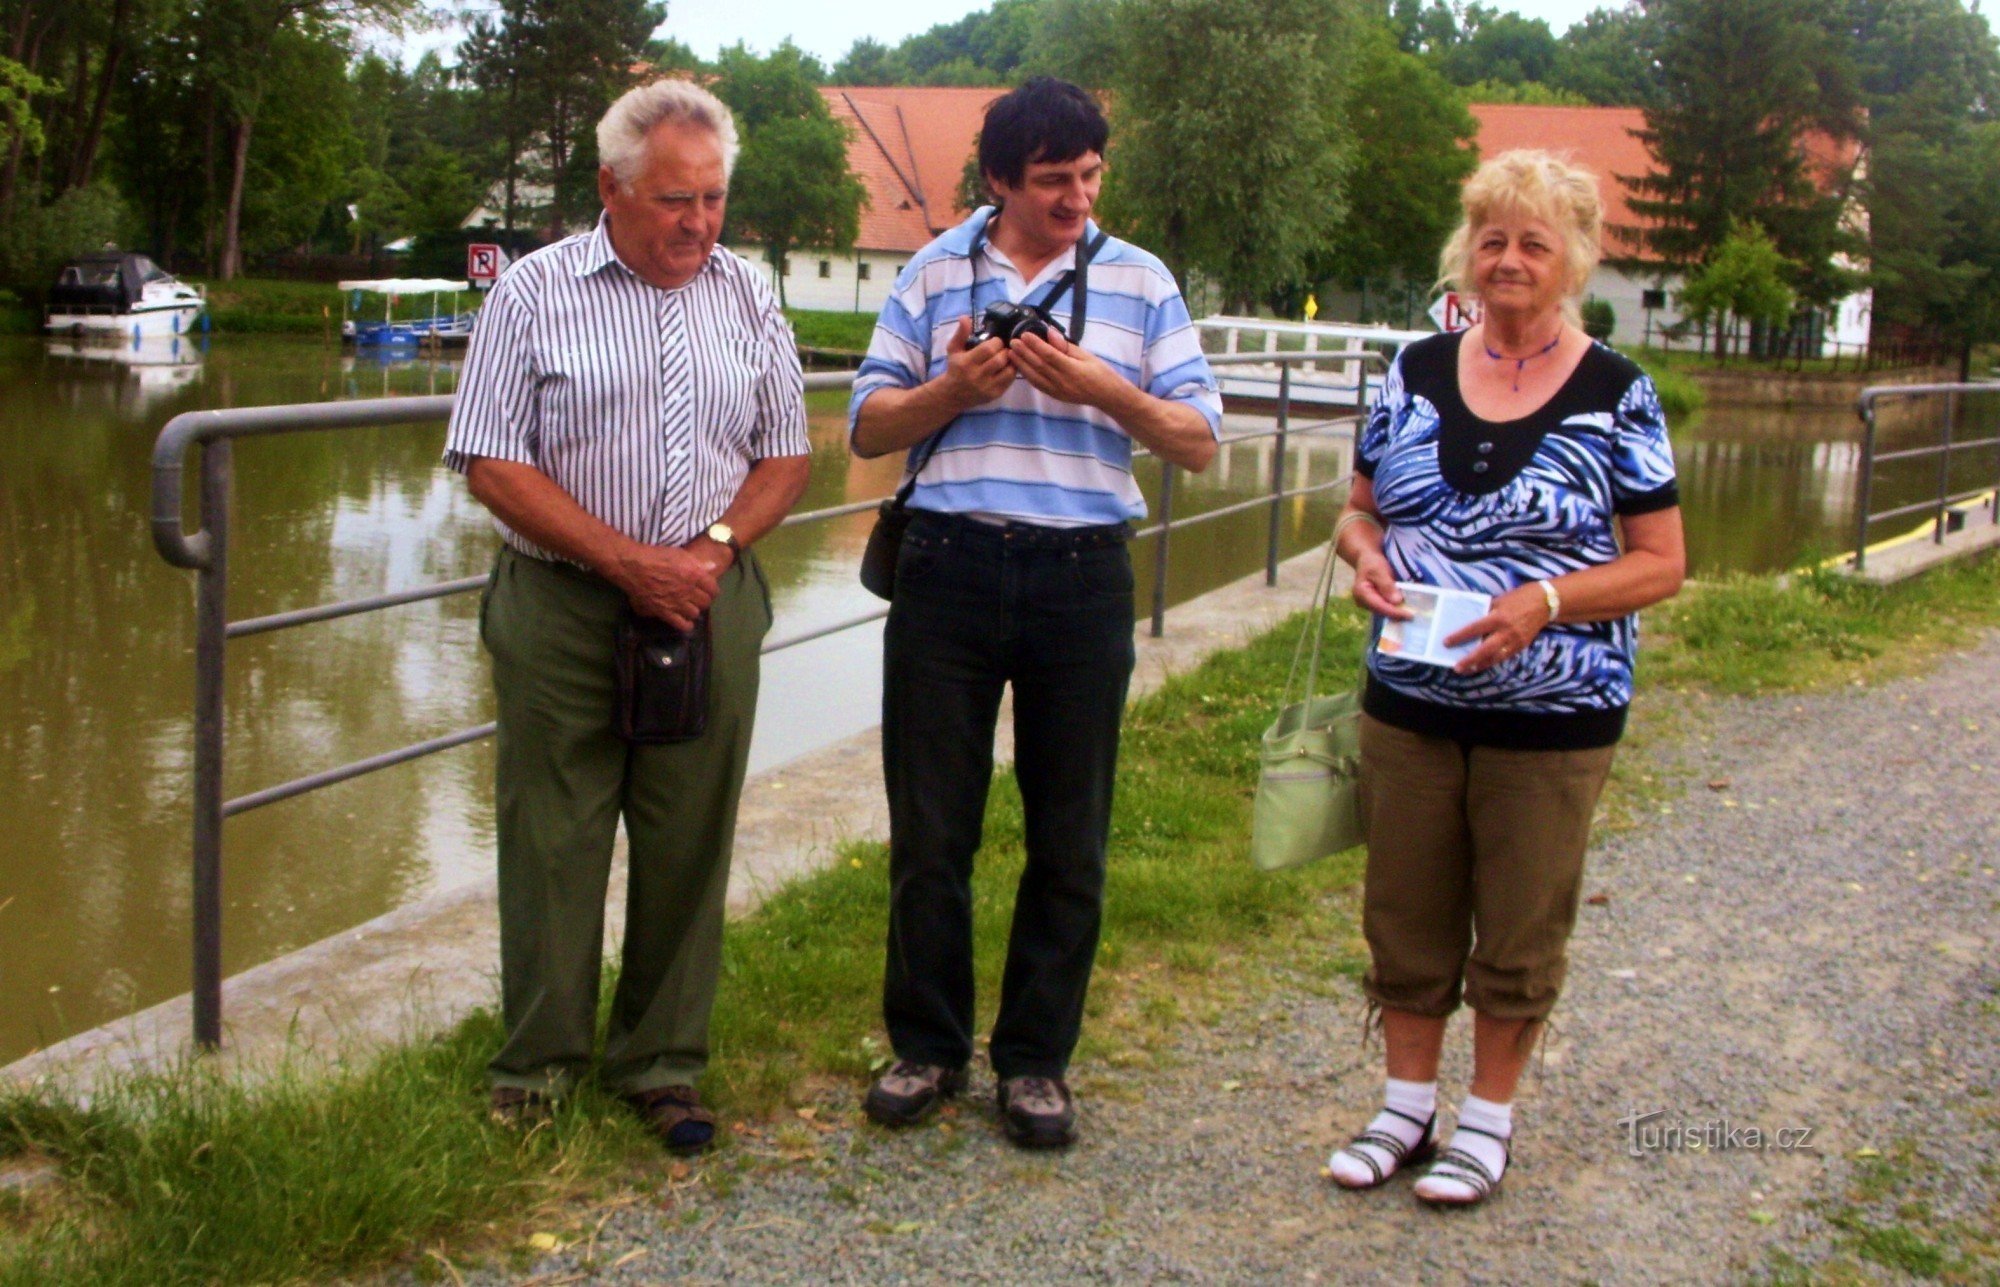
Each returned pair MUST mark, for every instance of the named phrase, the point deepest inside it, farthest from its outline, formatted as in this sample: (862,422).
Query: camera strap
(1077,278)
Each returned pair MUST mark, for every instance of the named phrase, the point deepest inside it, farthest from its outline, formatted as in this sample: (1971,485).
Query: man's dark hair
(1044,120)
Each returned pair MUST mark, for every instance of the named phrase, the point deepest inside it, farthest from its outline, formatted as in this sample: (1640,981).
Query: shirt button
(1485,448)
(1478,466)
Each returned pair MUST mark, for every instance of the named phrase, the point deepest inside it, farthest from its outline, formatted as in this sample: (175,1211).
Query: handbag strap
(1315,630)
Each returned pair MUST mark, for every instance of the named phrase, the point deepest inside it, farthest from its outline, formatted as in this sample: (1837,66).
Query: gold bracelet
(1354,516)
(1554,600)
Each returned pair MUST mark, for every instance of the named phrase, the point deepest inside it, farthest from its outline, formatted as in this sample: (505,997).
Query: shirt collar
(599,253)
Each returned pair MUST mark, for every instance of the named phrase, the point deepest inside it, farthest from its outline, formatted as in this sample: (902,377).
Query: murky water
(96,653)
(96,660)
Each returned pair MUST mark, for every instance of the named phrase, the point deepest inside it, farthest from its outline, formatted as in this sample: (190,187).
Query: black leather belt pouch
(662,692)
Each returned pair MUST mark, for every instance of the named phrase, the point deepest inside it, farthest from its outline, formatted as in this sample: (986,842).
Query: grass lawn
(182,1178)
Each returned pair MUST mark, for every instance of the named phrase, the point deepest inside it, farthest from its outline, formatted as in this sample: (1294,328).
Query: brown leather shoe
(1038,1112)
(521,1109)
(675,1115)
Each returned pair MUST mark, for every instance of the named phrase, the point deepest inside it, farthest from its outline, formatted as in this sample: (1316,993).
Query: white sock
(1479,1121)
(1406,1107)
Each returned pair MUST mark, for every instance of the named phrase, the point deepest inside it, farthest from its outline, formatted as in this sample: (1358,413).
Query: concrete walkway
(421,968)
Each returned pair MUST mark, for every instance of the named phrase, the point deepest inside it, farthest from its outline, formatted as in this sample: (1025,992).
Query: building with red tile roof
(910,145)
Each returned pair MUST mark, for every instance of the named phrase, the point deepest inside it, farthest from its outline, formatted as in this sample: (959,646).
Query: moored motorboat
(440,327)
(123,294)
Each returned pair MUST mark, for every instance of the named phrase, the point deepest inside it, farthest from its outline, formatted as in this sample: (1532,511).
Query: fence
(206,552)
(1954,397)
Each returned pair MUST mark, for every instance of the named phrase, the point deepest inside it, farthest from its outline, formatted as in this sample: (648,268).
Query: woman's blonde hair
(1543,186)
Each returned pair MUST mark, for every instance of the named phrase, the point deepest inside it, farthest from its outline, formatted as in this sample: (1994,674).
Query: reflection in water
(96,660)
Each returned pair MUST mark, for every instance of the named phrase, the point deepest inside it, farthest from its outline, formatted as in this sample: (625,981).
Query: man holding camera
(1018,359)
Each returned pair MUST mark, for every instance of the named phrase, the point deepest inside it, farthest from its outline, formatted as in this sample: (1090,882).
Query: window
(861,270)
(1653,299)
(825,268)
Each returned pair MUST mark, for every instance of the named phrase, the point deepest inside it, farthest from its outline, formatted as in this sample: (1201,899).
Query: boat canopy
(113,279)
(406,286)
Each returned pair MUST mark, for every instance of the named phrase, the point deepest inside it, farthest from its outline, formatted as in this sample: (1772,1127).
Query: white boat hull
(141,323)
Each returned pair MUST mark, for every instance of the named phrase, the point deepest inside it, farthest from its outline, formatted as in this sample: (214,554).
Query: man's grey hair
(621,135)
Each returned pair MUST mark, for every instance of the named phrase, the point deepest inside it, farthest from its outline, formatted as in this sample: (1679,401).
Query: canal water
(96,654)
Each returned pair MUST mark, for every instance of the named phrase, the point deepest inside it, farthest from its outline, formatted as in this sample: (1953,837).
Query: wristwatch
(723,534)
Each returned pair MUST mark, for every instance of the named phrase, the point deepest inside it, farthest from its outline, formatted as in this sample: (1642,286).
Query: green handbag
(1309,791)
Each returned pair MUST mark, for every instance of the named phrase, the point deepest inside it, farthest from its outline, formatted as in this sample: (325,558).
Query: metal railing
(206,552)
(1947,444)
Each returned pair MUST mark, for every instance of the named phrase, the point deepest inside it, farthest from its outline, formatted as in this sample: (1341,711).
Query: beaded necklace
(1520,362)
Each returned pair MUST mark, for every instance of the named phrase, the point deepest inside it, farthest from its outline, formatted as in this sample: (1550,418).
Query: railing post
(1278,473)
(211,621)
(1866,486)
(1160,550)
(1944,467)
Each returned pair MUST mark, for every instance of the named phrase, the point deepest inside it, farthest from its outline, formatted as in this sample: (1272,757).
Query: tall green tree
(1930,75)
(1745,277)
(1413,150)
(1076,40)
(1232,149)
(792,186)
(546,70)
(1608,59)
(1745,88)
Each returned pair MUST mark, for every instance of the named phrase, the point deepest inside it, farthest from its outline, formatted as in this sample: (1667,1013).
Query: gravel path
(1800,938)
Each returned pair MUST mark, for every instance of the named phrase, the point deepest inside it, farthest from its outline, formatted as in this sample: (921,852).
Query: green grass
(824,330)
(185,1178)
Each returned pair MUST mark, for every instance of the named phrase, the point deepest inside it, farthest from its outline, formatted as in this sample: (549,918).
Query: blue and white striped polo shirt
(1027,456)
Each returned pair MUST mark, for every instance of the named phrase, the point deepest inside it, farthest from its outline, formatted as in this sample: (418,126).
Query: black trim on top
(1665,496)
(1487,726)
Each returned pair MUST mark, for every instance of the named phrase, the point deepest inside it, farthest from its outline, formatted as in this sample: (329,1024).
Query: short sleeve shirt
(648,406)
(1026,456)
(1473,505)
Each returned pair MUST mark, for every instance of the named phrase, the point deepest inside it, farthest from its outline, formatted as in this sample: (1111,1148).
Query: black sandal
(1400,1154)
(1461,1167)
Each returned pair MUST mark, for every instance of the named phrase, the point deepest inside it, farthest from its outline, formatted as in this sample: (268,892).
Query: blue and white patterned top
(1026,456)
(1473,505)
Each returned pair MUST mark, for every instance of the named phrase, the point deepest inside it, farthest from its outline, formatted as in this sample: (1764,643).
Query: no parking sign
(483,264)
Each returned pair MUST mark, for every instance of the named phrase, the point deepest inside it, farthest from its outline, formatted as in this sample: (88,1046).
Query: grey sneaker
(1038,1112)
(909,1092)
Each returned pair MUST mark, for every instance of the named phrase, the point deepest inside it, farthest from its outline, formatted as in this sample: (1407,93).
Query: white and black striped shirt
(647,406)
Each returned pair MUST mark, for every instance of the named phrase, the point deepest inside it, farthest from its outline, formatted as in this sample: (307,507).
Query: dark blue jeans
(979,607)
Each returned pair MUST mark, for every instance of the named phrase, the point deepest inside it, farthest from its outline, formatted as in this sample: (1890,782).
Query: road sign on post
(483,263)
(1452,311)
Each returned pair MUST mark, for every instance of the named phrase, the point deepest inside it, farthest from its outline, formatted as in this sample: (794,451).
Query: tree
(791,186)
(547,70)
(18,89)
(1500,47)
(1608,59)
(870,62)
(1744,277)
(1076,40)
(1412,152)
(1232,150)
(1929,71)
(1745,89)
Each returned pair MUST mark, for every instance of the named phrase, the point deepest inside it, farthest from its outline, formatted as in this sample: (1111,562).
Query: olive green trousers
(563,782)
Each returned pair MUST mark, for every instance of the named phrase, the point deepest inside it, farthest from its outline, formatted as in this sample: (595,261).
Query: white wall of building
(837,281)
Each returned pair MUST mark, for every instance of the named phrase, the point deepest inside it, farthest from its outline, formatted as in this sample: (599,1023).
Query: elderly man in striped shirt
(1014,570)
(633,413)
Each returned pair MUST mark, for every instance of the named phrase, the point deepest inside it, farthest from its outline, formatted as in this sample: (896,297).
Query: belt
(1021,536)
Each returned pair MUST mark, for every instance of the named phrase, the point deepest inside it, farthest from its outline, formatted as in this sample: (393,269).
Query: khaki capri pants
(1475,866)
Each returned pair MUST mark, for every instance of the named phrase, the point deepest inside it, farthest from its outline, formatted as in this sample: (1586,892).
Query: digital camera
(1010,321)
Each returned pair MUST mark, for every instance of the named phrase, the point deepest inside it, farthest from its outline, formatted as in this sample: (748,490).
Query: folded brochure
(1439,613)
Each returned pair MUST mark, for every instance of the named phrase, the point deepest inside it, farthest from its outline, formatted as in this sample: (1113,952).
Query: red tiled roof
(1600,139)
(908,146)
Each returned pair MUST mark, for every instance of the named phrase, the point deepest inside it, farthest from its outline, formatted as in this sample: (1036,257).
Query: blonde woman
(1522,460)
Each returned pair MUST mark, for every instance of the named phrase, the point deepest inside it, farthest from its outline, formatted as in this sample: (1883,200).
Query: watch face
(722,534)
